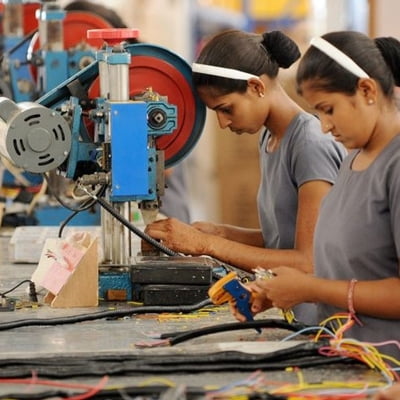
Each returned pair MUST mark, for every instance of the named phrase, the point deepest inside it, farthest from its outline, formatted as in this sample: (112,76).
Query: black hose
(179,337)
(102,314)
(135,229)
(87,205)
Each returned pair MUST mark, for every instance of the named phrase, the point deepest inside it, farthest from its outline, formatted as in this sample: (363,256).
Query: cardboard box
(238,178)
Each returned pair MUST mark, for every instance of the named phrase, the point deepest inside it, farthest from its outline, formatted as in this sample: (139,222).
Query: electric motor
(33,137)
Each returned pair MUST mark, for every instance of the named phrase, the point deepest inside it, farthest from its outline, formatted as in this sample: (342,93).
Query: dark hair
(328,75)
(248,52)
(390,50)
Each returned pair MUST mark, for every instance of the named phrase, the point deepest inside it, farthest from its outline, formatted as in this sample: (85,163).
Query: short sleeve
(393,187)
(317,158)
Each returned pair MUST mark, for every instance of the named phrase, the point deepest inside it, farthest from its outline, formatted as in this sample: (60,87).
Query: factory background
(222,170)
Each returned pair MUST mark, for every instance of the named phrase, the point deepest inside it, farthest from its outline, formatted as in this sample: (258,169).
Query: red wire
(34,381)
(92,391)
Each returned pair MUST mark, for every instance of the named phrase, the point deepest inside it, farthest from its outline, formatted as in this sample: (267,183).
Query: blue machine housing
(132,163)
(22,86)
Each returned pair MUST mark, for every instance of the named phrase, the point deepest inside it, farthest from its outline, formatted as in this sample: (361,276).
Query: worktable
(118,338)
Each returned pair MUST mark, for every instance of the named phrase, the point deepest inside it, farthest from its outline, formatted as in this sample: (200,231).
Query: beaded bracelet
(350,301)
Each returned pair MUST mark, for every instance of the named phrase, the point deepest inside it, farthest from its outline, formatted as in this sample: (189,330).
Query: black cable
(32,290)
(98,198)
(179,337)
(15,287)
(303,355)
(134,229)
(62,202)
(102,314)
(85,206)
(64,223)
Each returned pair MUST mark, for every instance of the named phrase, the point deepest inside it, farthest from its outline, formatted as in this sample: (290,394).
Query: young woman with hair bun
(236,75)
(349,80)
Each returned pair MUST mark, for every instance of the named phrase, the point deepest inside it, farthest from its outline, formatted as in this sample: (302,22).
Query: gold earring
(260,94)
(370,101)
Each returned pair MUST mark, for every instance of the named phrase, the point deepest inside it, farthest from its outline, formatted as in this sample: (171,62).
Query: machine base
(158,280)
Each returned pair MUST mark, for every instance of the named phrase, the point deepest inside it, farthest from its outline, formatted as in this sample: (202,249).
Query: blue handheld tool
(230,289)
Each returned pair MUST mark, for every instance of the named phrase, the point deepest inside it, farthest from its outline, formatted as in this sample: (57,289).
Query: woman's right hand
(259,302)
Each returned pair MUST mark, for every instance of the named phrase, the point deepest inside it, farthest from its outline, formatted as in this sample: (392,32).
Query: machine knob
(113,36)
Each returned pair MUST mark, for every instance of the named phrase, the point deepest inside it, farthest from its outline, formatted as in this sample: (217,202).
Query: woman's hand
(284,290)
(178,236)
(288,287)
(258,297)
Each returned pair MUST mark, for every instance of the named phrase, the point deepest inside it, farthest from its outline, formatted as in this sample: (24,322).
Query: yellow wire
(302,387)
(152,381)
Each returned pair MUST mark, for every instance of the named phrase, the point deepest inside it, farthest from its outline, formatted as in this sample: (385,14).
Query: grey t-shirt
(358,235)
(305,154)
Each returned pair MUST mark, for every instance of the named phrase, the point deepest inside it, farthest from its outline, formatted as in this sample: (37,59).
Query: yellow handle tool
(230,289)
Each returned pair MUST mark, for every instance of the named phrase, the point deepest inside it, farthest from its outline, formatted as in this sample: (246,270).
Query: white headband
(222,72)
(337,55)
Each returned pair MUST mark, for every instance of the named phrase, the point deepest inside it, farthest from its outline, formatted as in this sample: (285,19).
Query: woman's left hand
(285,289)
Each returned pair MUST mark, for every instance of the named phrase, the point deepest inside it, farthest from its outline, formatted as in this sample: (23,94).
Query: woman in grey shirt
(236,75)
(344,77)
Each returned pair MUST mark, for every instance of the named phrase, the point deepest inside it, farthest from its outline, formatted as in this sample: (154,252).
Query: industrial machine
(112,128)
(42,45)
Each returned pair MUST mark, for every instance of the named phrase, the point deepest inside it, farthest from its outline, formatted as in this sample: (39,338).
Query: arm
(185,238)
(252,237)
(392,393)
(290,287)
(385,303)
(309,200)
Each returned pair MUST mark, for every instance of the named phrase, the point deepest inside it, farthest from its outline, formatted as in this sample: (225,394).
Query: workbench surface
(116,340)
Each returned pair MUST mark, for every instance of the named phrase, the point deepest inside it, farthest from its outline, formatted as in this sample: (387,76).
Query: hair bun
(389,47)
(283,49)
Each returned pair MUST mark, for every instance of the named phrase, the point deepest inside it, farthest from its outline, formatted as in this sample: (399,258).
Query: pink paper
(72,255)
(55,277)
